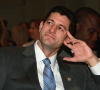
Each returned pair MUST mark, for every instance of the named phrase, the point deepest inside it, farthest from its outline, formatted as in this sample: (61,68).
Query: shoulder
(11,56)
(11,51)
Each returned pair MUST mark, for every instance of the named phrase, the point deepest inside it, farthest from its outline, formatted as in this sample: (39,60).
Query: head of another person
(87,25)
(34,29)
(3,34)
(53,30)
(19,35)
(25,25)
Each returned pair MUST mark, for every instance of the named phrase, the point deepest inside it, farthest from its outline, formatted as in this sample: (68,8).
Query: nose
(53,29)
(94,38)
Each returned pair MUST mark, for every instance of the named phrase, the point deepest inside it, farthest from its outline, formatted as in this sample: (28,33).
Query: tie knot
(47,61)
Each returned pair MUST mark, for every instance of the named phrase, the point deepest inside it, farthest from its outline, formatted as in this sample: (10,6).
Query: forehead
(93,20)
(59,18)
(90,23)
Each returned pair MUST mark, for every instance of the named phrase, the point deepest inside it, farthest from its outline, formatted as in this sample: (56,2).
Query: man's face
(54,30)
(89,30)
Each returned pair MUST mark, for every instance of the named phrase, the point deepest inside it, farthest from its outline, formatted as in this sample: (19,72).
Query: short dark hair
(63,11)
(82,12)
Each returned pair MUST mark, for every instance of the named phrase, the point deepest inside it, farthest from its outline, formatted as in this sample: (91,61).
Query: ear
(77,27)
(40,26)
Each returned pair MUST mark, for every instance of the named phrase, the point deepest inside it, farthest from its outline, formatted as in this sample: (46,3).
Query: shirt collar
(40,55)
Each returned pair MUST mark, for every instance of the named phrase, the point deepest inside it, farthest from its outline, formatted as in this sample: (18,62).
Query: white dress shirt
(95,69)
(54,66)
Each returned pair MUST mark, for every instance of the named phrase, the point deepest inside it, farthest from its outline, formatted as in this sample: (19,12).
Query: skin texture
(54,32)
(88,30)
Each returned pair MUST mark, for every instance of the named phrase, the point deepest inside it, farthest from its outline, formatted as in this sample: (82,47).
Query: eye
(61,28)
(92,30)
(49,22)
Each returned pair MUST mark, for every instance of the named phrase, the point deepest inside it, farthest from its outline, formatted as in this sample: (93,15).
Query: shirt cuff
(95,69)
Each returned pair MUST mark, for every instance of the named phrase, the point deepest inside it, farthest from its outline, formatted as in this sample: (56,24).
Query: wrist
(92,61)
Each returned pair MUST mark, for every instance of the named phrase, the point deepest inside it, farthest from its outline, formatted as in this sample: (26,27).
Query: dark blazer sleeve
(80,74)
(97,79)
(93,82)
(3,70)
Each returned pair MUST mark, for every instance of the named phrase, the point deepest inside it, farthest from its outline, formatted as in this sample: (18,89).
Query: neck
(47,50)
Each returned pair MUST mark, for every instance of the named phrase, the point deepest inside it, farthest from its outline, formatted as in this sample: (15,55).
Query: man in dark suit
(22,68)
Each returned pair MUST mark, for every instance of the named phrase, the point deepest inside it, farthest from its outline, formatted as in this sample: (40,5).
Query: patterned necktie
(48,77)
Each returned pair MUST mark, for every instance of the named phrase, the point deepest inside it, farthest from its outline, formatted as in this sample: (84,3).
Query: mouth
(50,35)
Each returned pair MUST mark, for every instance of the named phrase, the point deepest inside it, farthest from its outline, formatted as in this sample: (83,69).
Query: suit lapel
(65,71)
(30,67)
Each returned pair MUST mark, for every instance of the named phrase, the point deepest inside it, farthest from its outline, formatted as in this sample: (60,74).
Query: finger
(71,42)
(70,39)
(68,44)
(69,59)
(69,35)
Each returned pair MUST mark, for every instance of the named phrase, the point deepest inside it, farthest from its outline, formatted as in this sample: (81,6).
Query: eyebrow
(63,26)
(50,20)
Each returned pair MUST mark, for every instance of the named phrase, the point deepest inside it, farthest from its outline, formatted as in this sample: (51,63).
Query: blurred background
(16,11)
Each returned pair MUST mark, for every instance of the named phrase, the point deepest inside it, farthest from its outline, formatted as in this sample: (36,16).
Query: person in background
(24,68)
(11,42)
(19,35)
(87,27)
(4,36)
(33,31)
(25,26)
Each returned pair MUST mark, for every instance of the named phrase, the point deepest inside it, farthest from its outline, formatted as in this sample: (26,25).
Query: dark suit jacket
(18,71)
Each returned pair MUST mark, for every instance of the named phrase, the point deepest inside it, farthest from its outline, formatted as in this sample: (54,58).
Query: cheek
(61,37)
(90,37)
(86,38)
(42,31)
(31,31)
(36,33)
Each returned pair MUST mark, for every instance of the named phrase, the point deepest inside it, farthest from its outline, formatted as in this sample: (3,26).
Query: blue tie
(48,77)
